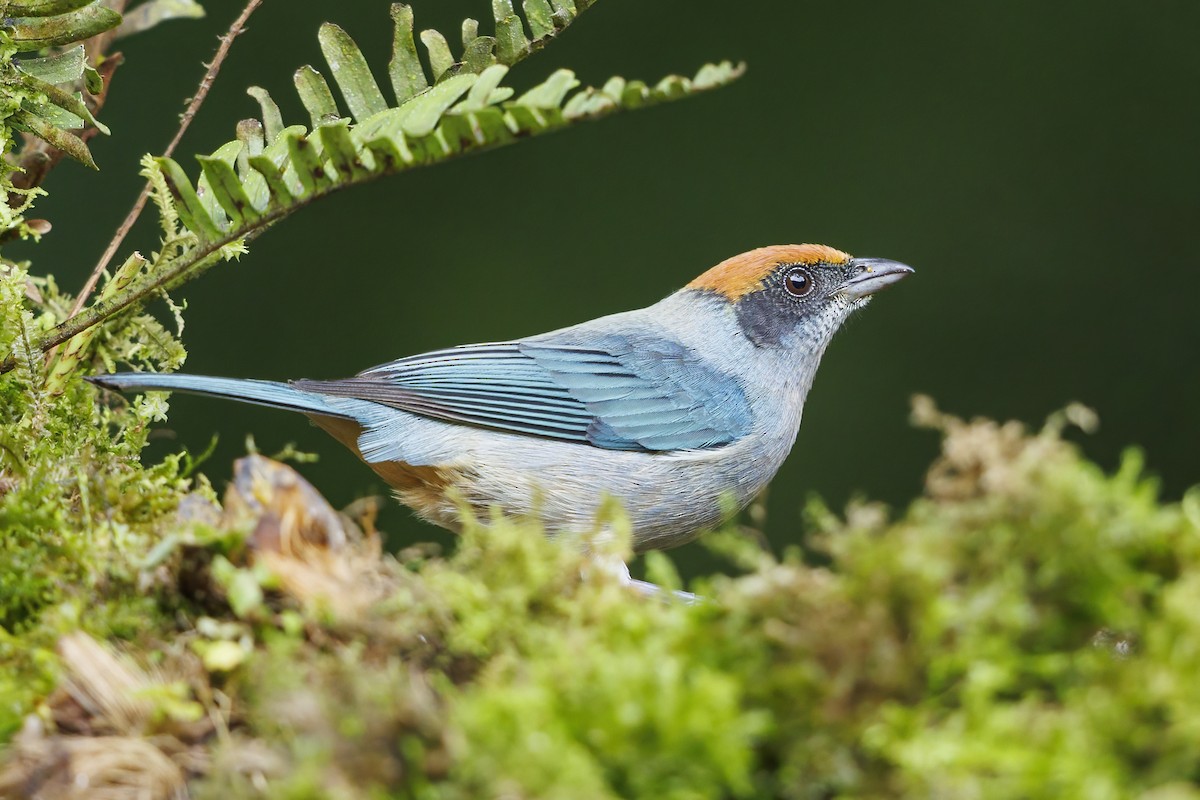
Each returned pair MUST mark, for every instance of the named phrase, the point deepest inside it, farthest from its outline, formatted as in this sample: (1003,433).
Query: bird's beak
(873,275)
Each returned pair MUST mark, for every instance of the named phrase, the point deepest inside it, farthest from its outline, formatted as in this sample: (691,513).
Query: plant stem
(226,41)
(170,273)
(107,307)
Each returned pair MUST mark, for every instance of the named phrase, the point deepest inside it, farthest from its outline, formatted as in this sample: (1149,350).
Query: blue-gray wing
(610,391)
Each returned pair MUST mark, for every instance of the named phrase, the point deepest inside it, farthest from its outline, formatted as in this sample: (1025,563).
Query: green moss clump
(1027,628)
(77,509)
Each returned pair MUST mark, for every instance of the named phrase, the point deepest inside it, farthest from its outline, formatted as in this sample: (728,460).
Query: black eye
(798,282)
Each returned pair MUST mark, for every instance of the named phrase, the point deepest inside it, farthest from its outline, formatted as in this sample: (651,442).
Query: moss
(78,511)
(1025,628)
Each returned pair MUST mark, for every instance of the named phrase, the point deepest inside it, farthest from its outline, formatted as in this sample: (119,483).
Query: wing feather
(613,391)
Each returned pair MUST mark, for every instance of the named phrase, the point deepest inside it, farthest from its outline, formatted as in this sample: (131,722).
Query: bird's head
(785,295)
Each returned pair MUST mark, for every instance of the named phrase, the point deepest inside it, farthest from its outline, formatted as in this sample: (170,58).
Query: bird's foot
(647,589)
(620,570)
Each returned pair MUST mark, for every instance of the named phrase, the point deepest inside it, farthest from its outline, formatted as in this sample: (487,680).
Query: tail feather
(263,393)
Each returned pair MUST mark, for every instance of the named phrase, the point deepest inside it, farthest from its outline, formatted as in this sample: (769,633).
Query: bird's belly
(669,498)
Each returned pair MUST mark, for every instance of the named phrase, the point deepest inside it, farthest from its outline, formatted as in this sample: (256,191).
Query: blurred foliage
(1026,628)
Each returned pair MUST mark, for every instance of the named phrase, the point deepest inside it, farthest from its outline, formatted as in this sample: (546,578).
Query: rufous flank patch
(738,276)
(422,488)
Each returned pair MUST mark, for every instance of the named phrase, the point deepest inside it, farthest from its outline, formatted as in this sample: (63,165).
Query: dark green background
(1036,162)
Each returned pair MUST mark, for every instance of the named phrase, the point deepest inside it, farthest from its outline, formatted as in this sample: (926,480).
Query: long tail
(263,393)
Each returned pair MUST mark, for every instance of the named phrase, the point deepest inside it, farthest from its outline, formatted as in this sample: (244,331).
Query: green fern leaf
(49,27)
(270,171)
(405,71)
(50,105)
(43,8)
(354,78)
(64,67)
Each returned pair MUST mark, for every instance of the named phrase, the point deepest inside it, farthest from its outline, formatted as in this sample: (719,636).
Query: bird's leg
(648,589)
(620,570)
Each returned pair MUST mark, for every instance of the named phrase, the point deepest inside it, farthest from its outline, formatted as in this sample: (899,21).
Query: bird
(679,410)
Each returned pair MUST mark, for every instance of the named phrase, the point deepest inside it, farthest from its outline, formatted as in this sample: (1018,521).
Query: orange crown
(738,276)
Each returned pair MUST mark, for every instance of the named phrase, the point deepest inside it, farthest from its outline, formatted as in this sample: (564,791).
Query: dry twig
(226,41)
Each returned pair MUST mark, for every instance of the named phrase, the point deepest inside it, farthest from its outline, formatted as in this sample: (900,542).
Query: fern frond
(45,89)
(459,107)
(270,170)
(49,23)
